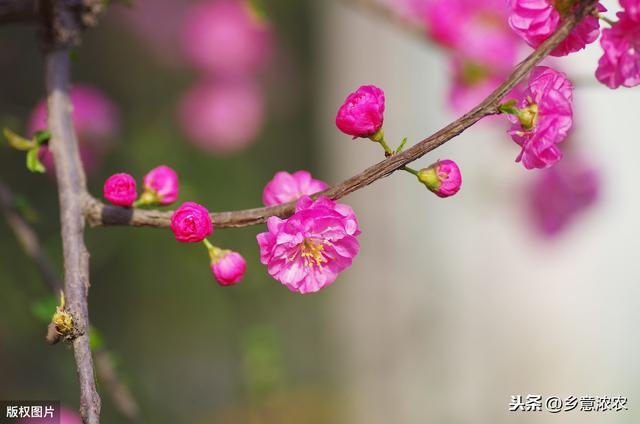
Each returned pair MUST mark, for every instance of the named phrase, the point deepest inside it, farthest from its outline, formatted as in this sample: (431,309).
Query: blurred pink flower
(67,416)
(536,20)
(442,178)
(476,30)
(559,194)
(95,119)
(470,83)
(285,187)
(307,251)
(544,118)
(120,189)
(620,63)
(162,183)
(224,36)
(222,116)
(191,223)
(362,113)
(229,268)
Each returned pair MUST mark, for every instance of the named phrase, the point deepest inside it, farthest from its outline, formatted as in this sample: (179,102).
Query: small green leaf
(95,339)
(33,162)
(18,142)
(44,308)
(258,9)
(42,137)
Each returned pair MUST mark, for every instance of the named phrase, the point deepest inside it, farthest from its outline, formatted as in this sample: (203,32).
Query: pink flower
(191,223)
(229,268)
(307,251)
(285,187)
(443,178)
(474,29)
(224,36)
(95,119)
(222,116)
(120,189)
(362,113)
(620,64)
(536,20)
(61,416)
(560,194)
(544,117)
(162,183)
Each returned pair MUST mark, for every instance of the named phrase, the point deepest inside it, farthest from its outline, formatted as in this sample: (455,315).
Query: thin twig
(98,213)
(30,243)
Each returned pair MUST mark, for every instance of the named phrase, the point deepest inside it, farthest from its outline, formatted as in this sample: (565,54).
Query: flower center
(473,73)
(312,253)
(528,116)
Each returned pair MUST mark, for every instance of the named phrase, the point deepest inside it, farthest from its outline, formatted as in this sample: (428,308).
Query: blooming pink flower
(222,116)
(544,118)
(120,189)
(229,268)
(620,64)
(95,119)
(66,416)
(362,113)
(285,187)
(224,36)
(443,178)
(191,223)
(162,183)
(559,194)
(474,29)
(536,20)
(307,251)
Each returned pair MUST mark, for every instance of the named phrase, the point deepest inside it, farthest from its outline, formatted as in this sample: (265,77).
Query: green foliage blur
(190,351)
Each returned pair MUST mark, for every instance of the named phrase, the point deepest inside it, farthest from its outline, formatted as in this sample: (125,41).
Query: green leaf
(18,142)
(33,162)
(259,10)
(42,137)
(44,308)
(95,339)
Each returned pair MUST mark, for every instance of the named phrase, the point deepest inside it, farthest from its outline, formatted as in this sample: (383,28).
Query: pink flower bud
(443,178)
(228,268)
(285,187)
(161,185)
(191,223)
(120,189)
(362,113)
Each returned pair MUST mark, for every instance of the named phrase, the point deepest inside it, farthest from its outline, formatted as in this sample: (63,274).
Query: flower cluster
(160,188)
(542,117)
(620,63)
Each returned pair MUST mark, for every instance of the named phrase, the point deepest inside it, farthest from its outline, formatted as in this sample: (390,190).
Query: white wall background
(454,305)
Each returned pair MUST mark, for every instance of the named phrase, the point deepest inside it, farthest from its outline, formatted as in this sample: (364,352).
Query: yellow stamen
(312,253)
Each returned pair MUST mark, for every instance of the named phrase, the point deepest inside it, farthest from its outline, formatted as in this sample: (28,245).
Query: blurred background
(525,282)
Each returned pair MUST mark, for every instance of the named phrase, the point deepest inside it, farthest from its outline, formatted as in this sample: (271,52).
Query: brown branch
(71,186)
(30,243)
(99,214)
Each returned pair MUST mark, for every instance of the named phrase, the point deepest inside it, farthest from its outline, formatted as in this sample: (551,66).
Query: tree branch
(98,213)
(30,243)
